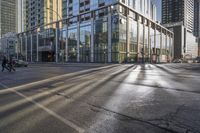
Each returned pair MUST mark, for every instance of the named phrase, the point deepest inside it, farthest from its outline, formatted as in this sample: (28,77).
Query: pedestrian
(11,65)
(4,64)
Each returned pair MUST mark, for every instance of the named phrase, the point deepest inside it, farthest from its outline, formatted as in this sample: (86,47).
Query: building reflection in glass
(112,33)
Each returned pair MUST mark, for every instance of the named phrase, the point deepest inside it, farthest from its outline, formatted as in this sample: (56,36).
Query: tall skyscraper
(20,15)
(181,11)
(178,16)
(153,12)
(197,18)
(7,16)
(39,12)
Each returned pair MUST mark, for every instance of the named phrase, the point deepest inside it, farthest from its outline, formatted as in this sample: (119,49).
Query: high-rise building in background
(197,22)
(7,16)
(182,11)
(153,12)
(178,16)
(197,18)
(41,12)
(20,15)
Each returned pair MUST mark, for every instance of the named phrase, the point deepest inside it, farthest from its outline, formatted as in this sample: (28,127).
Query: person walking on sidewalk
(4,64)
(11,65)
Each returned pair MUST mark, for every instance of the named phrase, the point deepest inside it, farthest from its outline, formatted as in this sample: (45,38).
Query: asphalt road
(101,99)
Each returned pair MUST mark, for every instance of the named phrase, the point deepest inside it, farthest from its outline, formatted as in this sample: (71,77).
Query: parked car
(20,63)
(177,61)
(197,60)
(190,61)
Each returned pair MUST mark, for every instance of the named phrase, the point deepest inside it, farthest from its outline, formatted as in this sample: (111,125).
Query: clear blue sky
(158,4)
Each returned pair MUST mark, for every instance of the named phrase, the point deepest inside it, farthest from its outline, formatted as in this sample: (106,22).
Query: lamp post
(57,27)
(105,49)
(55,12)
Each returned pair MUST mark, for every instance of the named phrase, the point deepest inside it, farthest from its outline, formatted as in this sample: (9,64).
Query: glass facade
(29,48)
(85,43)
(133,37)
(101,40)
(119,38)
(146,43)
(34,47)
(114,34)
(23,52)
(62,45)
(46,45)
(72,44)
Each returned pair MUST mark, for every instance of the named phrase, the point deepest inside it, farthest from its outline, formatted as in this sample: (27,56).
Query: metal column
(127,39)
(37,48)
(161,43)
(26,49)
(21,46)
(149,42)
(66,45)
(143,45)
(92,40)
(31,47)
(78,42)
(138,38)
(109,35)
(57,39)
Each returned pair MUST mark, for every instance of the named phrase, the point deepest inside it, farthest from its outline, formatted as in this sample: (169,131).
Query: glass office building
(7,16)
(98,31)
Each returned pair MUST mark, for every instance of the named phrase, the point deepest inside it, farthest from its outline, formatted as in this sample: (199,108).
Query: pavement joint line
(50,112)
(52,79)
(131,118)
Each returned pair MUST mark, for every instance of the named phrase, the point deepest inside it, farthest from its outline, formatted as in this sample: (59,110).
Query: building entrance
(47,56)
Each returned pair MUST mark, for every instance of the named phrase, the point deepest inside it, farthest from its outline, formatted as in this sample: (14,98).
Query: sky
(158,5)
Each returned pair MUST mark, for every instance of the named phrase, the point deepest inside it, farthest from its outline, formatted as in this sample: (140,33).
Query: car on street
(197,60)
(20,63)
(177,61)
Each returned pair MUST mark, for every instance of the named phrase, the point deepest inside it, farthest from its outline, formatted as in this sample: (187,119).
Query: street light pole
(105,48)
(56,13)
(57,27)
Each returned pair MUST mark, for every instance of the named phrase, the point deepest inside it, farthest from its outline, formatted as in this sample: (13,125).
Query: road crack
(124,117)
(170,121)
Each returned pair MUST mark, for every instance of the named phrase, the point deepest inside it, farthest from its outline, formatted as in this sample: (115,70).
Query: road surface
(115,98)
